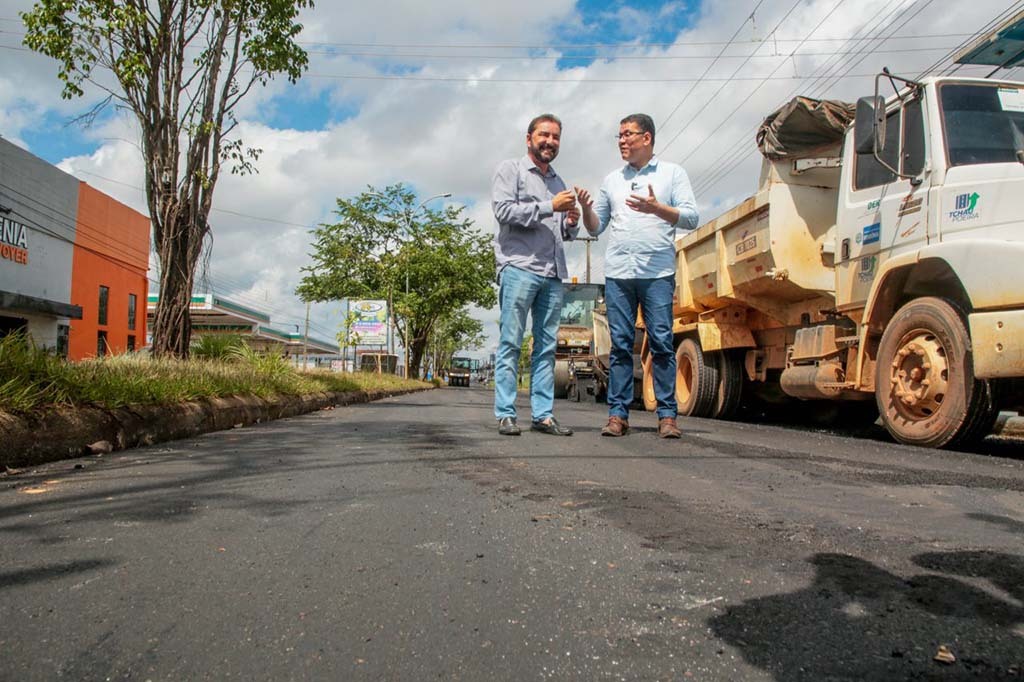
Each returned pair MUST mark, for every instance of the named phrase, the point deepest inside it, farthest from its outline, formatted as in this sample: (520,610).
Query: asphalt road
(406,540)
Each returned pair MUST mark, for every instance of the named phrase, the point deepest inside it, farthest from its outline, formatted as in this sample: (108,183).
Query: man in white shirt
(641,204)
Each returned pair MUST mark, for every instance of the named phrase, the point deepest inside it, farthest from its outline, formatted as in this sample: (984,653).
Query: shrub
(32,378)
(216,346)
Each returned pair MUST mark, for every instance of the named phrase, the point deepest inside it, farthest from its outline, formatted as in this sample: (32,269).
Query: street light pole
(305,340)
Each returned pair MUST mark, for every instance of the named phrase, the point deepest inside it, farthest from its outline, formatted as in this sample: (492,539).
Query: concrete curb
(64,432)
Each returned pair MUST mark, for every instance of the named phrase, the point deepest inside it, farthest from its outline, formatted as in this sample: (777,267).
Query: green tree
(347,338)
(383,240)
(180,67)
(452,333)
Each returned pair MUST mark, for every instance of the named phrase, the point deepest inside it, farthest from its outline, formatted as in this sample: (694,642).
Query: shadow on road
(858,621)
(50,572)
(256,470)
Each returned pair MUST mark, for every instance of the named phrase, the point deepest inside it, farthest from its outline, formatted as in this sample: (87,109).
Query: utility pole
(587,240)
(305,340)
(407,323)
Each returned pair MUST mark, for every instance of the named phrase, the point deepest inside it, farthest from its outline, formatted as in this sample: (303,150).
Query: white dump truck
(880,264)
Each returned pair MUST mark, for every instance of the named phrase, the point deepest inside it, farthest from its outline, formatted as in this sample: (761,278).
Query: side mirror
(869,125)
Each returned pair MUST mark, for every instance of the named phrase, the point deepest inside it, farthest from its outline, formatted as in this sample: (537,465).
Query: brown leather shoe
(667,428)
(616,426)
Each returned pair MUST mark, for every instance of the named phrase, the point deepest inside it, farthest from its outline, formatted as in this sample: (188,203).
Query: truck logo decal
(963,207)
(872,234)
(873,205)
(910,205)
(867,268)
(748,244)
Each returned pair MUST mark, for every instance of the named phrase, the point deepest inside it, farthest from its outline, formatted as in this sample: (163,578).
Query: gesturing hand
(563,201)
(643,204)
(584,196)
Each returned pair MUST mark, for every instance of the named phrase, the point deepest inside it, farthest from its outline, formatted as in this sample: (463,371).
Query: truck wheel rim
(919,375)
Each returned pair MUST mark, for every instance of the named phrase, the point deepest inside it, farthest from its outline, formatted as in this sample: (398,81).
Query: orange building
(108,276)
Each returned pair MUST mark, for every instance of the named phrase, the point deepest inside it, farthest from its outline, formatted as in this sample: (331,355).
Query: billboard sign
(370,326)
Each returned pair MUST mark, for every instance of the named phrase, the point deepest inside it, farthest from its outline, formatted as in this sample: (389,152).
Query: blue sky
(472,74)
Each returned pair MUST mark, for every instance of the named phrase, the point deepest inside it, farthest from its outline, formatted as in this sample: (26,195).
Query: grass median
(32,379)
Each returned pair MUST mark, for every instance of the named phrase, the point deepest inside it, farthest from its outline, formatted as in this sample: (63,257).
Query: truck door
(880,214)
(983,128)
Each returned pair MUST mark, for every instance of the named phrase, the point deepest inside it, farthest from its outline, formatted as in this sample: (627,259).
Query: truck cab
(929,241)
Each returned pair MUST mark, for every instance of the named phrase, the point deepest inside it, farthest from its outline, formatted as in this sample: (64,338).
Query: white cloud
(447,136)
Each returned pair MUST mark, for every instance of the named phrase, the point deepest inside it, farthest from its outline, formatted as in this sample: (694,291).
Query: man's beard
(543,151)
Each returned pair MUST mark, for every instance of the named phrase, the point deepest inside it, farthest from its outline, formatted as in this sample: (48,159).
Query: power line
(738,68)
(991,24)
(73,225)
(739,152)
(728,165)
(693,150)
(711,65)
(112,250)
(218,210)
(580,58)
(489,80)
(568,57)
(64,238)
(614,46)
(830,81)
(580,46)
(233,286)
(549,81)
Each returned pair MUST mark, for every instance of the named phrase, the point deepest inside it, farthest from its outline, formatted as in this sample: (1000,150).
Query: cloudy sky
(436,94)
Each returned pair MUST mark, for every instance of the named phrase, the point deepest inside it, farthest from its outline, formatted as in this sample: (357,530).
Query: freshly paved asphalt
(406,540)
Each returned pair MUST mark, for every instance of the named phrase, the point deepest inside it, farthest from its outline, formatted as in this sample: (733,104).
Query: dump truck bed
(766,253)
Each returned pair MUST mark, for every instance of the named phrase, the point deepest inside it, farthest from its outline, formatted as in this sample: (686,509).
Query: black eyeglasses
(629,133)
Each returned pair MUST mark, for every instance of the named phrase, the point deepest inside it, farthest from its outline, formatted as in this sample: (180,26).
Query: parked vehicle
(460,371)
(877,267)
(574,352)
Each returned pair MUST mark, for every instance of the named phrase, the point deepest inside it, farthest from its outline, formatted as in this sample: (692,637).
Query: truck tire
(647,386)
(729,393)
(561,378)
(926,391)
(696,380)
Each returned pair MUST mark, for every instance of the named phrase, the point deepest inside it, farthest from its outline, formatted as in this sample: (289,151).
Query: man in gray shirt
(536,213)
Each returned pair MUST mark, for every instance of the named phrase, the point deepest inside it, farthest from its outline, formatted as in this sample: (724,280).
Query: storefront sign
(13,241)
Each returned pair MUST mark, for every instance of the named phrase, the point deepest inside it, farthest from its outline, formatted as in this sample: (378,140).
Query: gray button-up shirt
(530,233)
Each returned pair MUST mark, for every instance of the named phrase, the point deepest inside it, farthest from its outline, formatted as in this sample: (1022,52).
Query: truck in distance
(460,371)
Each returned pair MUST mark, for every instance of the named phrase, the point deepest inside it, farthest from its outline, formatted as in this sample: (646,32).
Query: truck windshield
(462,363)
(578,305)
(982,123)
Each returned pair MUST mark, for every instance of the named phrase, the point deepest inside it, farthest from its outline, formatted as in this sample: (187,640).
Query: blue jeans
(523,292)
(655,299)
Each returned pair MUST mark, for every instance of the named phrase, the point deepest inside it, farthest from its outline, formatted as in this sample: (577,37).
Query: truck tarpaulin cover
(804,126)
